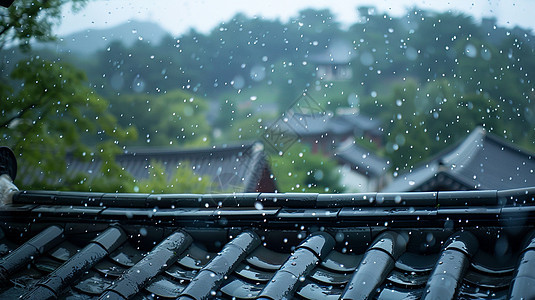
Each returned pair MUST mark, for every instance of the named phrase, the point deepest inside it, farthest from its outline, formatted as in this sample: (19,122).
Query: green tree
(48,109)
(29,20)
(52,113)
(174,118)
(183,180)
(299,170)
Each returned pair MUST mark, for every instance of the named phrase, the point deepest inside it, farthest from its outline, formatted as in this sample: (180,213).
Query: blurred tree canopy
(49,111)
(299,170)
(29,20)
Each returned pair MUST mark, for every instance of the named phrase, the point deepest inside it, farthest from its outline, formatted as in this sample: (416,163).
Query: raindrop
(258,206)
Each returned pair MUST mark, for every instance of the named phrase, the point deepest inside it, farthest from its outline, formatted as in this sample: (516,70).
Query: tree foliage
(182,180)
(299,170)
(28,20)
(52,113)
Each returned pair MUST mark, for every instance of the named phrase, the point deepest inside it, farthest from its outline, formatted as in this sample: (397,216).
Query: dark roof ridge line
(290,200)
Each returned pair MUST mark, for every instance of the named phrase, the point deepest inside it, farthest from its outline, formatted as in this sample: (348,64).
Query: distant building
(334,136)
(334,64)
(361,169)
(325,132)
(239,168)
(481,161)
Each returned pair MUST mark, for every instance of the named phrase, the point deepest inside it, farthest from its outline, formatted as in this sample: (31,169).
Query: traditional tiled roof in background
(238,168)
(481,161)
(361,160)
(434,245)
(343,124)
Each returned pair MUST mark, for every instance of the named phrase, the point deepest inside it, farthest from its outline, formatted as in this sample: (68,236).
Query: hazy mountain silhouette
(91,40)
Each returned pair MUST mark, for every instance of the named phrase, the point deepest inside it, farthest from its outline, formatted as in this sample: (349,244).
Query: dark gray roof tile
(408,279)
(181,274)
(377,263)
(241,289)
(288,199)
(93,284)
(523,284)
(517,196)
(300,215)
(468,198)
(64,251)
(467,291)
(163,286)
(174,200)
(339,262)
(444,281)
(283,284)
(387,213)
(412,262)
(110,269)
(392,292)
(253,274)
(155,262)
(195,257)
(211,276)
(266,259)
(330,278)
(409,199)
(126,255)
(65,211)
(245,250)
(33,248)
(487,263)
(298,266)
(47,264)
(313,291)
(15,210)
(320,243)
(343,200)
(70,271)
(489,281)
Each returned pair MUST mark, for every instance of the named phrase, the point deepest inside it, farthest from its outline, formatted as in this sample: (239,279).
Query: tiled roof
(433,245)
(319,124)
(361,160)
(238,168)
(481,161)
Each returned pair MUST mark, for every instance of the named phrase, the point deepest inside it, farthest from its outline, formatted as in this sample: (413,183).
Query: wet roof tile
(451,267)
(377,263)
(164,287)
(269,246)
(241,289)
(312,290)
(266,259)
(154,263)
(339,262)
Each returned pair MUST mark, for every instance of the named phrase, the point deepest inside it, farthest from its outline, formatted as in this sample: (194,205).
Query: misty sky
(178,16)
